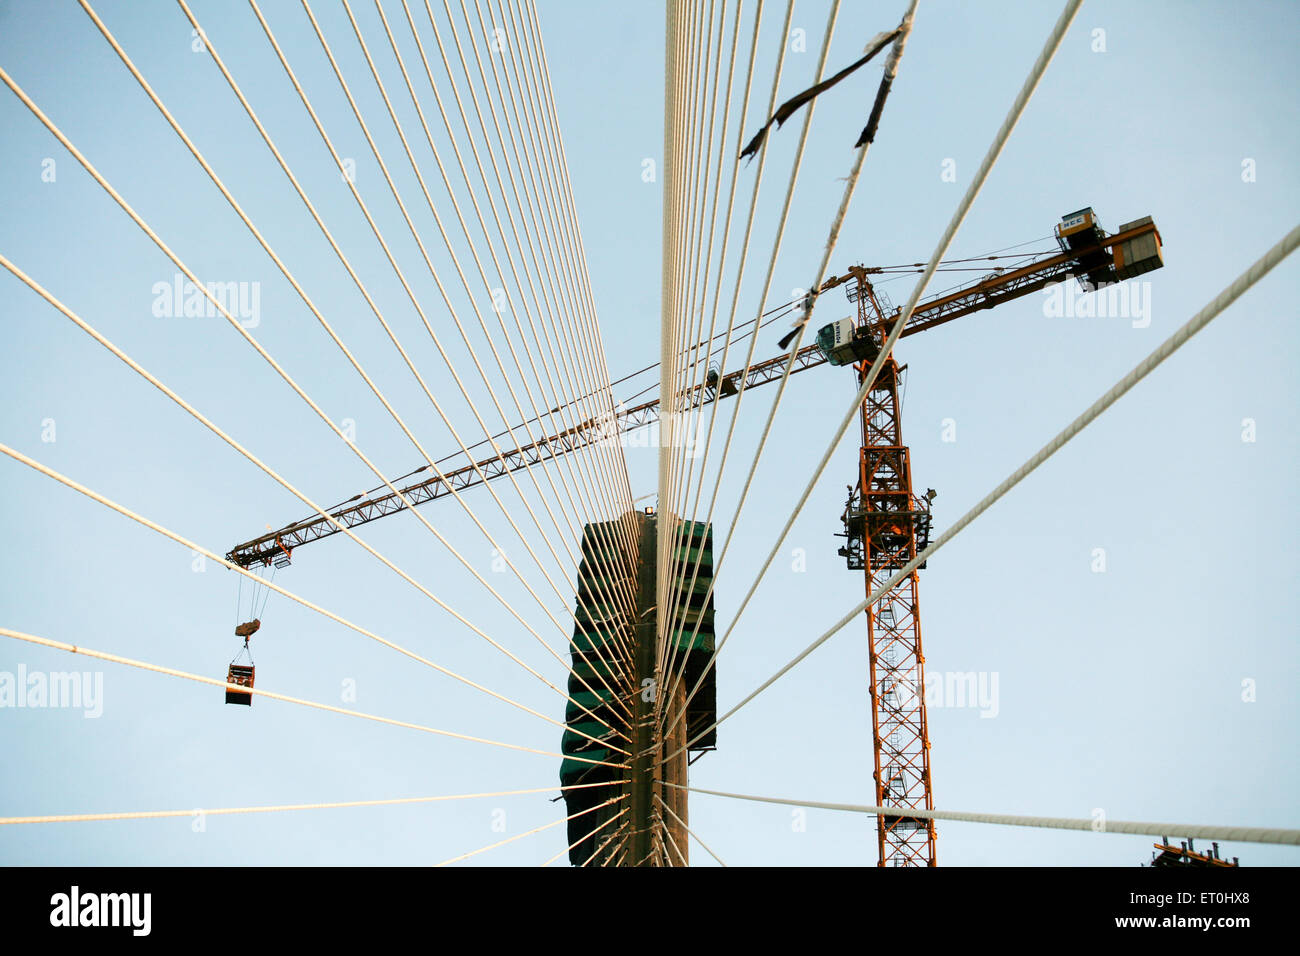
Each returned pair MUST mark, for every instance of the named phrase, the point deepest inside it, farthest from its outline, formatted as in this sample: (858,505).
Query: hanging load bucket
(241,674)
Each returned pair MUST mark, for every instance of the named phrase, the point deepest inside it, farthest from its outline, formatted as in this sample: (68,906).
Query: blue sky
(1120,690)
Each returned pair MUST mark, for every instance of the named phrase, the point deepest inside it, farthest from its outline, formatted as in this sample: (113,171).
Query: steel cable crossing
(1192,831)
(1003,133)
(311,606)
(520,836)
(701,268)
(690,832)
(182,267)
(683,170)
(460,272)
(450,247)
(414,299)
(351,272)
(673,477)
(221,308)
(776,79)
(670,679)
(269,585)
(1283,248)
(276,808)
(891,69)
(556,400)
(126,207)
(356,280)
(270,695)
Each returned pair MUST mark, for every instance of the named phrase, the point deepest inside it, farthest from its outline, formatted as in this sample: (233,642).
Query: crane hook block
(247,630)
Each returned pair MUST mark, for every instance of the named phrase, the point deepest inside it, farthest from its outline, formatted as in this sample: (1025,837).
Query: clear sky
(1119,690)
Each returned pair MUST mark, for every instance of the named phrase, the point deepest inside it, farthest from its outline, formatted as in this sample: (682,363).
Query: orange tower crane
(885,523)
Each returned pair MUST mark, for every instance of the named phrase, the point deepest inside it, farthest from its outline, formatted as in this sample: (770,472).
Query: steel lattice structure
(886,525)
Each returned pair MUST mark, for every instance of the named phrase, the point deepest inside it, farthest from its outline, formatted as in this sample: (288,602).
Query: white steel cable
(556,401)
(271,695)
(509,474)
(221,308)
(1284,247)
(487,283)
(548,232)
(579,319)
(666,835)
(593,832)
(1193,831)
(555,180)
(688,830)
(311,606)
(557,161)
(424,318)
(602,449)
(767,285)
(562,230)
(758,178)
(520,836)
(696,414)
(220,433)
(280,808)
(677,421)
(614,467)
(225,313)
(582,382)
(522,375)
(555,149)
(698,266)
(891,69)
(731,196)
(994,151)
(757,181)
(855,172)
(609,839)
(668,276)
(365,293)
(678,174)
(261,240)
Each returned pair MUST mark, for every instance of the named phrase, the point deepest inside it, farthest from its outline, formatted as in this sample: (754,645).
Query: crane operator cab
(843,343)
(242,674)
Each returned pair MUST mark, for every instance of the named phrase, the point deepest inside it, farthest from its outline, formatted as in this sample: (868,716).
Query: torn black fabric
(869,131)
(792,105)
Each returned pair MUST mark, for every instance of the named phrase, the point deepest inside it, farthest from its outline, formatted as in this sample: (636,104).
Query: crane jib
(1112,258)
